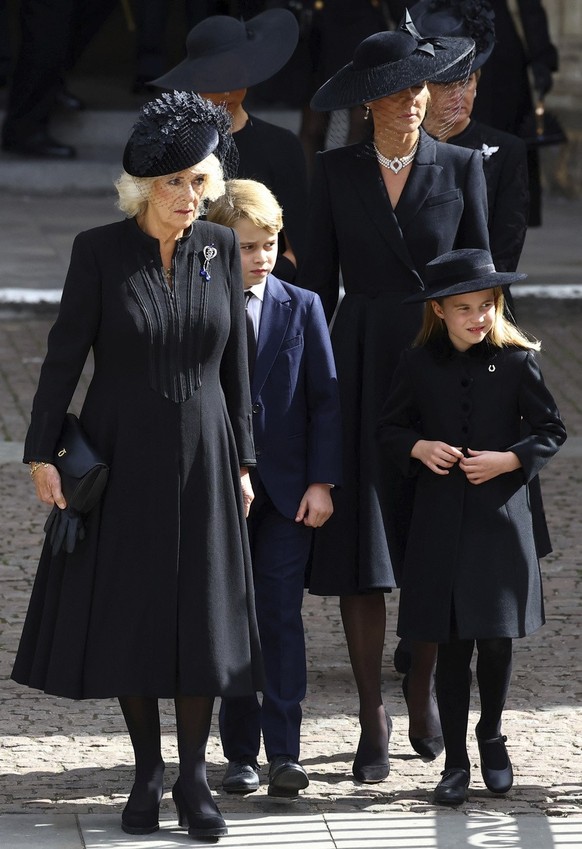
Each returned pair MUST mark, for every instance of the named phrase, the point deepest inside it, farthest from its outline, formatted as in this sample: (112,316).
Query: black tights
(453,686)
(193,717)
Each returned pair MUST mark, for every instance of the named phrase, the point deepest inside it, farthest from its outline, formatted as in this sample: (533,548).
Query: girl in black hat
(156,601)
(380,211)
(454,420)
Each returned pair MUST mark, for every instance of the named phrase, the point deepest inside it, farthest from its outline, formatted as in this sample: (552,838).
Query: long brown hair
(503,333)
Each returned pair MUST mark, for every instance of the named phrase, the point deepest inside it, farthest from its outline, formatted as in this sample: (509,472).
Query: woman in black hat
(156,601)
(225,57)
(380,211)
(504,155)
(454,420)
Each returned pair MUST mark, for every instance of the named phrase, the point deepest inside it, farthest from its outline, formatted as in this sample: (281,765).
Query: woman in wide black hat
(226,57)
(157,600)
(379,212)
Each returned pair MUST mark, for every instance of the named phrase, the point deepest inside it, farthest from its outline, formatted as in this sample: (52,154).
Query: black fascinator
(176,131)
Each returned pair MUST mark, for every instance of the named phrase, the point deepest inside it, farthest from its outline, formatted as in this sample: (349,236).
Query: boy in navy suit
(296,422)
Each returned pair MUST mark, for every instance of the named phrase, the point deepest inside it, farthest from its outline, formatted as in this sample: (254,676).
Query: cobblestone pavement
(58,756)
(63,756)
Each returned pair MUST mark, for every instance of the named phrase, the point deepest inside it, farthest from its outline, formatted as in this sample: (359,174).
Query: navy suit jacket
(296,413)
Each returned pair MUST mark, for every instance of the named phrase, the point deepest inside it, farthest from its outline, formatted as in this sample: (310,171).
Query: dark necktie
(251,338)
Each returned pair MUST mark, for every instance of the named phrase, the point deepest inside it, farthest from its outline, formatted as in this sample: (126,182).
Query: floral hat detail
(176,131)
(458,18)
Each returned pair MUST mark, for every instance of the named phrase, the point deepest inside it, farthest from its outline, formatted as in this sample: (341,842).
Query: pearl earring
(366,113)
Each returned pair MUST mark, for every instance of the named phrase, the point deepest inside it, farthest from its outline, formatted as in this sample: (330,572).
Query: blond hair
(247,199)
(503,333)
(133,192)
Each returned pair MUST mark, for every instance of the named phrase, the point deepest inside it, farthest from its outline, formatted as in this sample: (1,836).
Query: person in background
(296,420)
(379,211)
(156,601)
(225,57)
(504,154)
(454,419)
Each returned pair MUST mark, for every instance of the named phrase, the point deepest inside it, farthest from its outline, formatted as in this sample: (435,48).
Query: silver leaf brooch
(209,252)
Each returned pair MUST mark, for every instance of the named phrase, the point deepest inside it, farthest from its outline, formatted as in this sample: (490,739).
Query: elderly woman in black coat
(380,211)
(156,601)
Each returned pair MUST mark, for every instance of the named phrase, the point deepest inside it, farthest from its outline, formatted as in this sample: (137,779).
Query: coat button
(257,408)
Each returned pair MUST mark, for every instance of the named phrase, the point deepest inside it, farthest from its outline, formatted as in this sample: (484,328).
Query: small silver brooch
(489,151)
(209,253)
(491,367)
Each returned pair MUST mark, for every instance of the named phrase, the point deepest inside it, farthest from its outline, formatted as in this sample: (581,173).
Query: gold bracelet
(35,466)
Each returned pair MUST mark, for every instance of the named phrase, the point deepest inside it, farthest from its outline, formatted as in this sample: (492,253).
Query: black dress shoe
(496,767)
(452,788)
(368,769)
(286,777)
(38,144)
(241,777)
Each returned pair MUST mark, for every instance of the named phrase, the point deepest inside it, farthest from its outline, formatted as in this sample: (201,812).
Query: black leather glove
(542,78)
(64,528)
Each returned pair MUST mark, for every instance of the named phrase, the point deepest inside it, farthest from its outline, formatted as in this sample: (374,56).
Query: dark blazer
(471,547)
(505,168)
(295,400)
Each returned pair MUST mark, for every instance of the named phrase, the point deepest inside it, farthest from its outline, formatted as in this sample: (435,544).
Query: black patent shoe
(241,777)
(370,770)
(199,824)
(496,767)
(452,788)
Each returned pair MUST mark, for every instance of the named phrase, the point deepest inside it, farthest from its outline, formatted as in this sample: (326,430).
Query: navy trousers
(280,549)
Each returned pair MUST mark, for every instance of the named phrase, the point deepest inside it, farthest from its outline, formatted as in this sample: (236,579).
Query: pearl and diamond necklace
(397,163)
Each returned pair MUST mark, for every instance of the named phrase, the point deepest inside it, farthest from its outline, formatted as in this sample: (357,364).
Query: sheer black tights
(453,685)
(193,717)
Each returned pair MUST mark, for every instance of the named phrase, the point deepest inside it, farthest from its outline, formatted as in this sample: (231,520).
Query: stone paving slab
(442,830)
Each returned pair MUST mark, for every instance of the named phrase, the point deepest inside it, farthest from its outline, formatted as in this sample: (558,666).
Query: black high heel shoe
(198,824)
(429,748)
(140,820)
(371,771)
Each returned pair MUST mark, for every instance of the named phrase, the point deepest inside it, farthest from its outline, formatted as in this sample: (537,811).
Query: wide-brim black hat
(226,54)
(459,271)
(458,18)
(388,62)
(176,131)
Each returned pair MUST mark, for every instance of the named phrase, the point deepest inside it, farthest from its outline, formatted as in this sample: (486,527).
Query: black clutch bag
(83,478)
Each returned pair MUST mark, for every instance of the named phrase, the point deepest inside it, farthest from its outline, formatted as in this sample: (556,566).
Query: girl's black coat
(471,547)
(382,253)
(158,597)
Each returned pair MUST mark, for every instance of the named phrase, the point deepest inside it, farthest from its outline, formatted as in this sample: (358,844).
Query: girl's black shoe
(496,767)
(452,788)
(199,824)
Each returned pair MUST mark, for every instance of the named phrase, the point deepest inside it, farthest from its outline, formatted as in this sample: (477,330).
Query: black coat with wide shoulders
(471,548)
(382,253)
(158,598)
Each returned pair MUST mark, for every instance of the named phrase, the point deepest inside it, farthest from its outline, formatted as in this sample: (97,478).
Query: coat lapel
(421,180)
(275,317)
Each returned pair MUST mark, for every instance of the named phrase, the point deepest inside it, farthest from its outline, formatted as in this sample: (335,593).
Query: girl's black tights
(453,687)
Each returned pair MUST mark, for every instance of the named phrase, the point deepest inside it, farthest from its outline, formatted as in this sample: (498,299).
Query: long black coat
(471,548)
(158,597)
(382,254)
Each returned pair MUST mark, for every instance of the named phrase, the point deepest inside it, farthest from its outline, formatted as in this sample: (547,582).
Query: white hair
(133,192)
